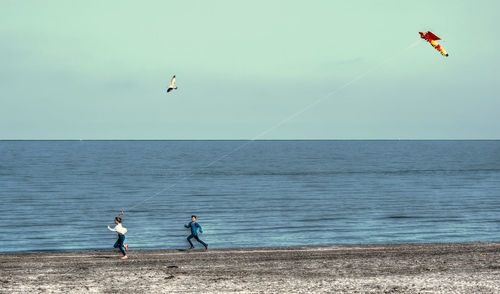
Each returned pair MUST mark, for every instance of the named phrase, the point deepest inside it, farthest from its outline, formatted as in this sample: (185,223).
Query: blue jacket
(194,228)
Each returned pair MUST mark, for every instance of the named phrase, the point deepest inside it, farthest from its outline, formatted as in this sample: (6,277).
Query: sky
(248,70)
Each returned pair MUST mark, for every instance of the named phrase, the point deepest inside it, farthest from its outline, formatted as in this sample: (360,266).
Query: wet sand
(406,268)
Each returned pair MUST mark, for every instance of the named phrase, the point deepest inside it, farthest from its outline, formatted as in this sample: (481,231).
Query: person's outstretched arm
(114,229)
(201,230)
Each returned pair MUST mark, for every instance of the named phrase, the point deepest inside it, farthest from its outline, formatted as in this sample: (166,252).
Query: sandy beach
(406,268)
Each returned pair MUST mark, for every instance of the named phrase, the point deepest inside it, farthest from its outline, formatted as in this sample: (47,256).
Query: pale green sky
(99,69)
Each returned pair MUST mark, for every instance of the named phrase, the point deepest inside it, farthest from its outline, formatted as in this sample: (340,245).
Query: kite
(431,38)
(172,85)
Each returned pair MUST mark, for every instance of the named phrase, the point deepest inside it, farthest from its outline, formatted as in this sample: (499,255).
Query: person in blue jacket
(194,226)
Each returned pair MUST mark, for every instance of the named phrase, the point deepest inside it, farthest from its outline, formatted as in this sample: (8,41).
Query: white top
(118,228)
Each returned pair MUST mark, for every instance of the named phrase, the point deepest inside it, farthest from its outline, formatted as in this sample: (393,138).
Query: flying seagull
(172,85)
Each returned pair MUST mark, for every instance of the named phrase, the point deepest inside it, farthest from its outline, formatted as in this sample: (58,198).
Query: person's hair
(118,219)
(193,216)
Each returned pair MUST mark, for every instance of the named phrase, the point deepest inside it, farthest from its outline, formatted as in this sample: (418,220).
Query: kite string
(283,121)
(324,97)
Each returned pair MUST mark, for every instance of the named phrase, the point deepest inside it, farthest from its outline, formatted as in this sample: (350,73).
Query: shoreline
(472,267)
(244,248)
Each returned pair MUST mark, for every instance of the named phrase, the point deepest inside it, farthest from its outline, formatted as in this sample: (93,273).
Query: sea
(61,195)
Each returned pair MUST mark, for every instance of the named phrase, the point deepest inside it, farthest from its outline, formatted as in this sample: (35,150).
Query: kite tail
(438,47)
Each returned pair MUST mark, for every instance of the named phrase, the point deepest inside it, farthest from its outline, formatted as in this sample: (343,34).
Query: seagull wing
(172,82)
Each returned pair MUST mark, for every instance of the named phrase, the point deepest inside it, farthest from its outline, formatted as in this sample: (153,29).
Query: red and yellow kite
(431,38)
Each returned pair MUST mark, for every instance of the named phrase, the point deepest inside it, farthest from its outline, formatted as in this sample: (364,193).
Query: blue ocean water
(61,195)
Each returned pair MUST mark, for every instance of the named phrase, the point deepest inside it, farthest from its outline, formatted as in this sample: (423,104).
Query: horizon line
(373,139)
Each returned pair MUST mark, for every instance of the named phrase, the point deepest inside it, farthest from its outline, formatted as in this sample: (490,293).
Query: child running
(194,226)
(121,235)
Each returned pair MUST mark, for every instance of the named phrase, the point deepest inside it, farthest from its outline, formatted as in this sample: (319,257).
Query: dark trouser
(119,243)
(197,239)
